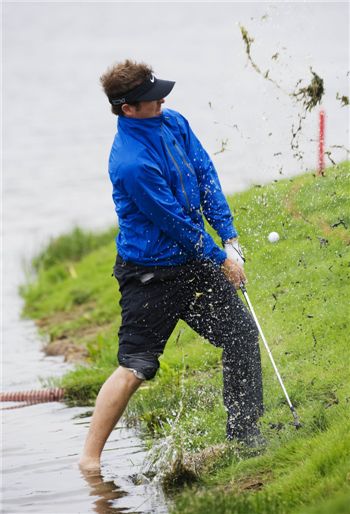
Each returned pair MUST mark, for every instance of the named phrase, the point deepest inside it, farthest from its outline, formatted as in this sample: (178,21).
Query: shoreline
(81,317)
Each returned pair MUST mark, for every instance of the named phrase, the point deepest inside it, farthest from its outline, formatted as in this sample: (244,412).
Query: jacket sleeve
(214,205)
(153,197)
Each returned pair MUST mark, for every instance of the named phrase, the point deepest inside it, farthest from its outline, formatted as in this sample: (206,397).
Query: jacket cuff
(228,233)
(217,256)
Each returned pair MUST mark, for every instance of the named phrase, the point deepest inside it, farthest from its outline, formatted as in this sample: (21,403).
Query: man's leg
(110,405)
(243,391)
(149,304)
(219,315)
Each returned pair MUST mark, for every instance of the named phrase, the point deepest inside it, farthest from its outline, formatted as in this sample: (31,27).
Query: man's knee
(242,345)
(252,329)
(240,336)
(145,365)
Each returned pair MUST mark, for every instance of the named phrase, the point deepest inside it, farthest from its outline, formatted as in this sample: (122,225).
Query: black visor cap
(150,90)
(159,90)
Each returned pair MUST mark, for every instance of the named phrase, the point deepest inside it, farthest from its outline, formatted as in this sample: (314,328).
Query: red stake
(321,143)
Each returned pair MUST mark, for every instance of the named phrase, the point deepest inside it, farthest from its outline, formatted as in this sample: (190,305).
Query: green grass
(300,290)
(71,247)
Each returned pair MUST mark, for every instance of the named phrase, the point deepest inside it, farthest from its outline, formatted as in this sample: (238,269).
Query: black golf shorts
(154,299)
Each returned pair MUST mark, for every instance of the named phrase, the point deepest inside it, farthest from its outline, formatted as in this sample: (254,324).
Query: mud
(61,317)
(71,352)
(183,468)
(253,483)
(71,343)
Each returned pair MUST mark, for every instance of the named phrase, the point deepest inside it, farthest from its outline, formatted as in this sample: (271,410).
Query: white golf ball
(273,237)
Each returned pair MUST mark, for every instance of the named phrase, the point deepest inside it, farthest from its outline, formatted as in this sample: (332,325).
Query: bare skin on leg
(110,405)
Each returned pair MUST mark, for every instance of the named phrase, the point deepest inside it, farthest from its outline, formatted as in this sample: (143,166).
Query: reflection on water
(108,495)
(41,475)
(106,492)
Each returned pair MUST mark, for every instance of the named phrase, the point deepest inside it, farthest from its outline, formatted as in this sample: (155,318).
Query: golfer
(168,267)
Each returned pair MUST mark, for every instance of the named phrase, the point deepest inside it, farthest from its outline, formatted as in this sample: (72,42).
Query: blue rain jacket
(163,180)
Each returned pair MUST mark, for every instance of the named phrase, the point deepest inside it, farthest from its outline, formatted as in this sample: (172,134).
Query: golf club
(297,423)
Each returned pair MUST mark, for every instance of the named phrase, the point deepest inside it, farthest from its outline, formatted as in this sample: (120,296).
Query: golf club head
(297,424)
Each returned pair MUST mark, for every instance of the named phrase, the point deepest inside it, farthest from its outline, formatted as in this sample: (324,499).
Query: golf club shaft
(244,291)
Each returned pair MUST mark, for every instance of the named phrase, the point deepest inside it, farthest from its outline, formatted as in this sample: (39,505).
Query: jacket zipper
(180,175)
(180,152)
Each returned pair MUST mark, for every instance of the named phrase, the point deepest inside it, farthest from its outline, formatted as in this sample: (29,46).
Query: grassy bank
(300,290)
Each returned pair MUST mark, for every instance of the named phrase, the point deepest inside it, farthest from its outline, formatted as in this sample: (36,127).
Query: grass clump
(72,247)
(299,288)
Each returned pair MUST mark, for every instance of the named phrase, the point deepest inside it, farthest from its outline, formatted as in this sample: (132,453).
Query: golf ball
(273,237)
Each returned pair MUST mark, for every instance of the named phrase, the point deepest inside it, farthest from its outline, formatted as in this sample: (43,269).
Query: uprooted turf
(300,290)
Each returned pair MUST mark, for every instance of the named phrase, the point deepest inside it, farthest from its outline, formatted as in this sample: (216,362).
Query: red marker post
(322,117)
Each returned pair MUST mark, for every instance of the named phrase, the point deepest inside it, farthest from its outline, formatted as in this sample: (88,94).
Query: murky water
(58,130)
(40,466)
(41,443)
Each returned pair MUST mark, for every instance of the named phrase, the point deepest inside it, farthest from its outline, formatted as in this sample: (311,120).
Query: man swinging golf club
(168,267)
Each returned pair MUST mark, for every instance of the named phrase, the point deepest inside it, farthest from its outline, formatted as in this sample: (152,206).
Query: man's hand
(234,272)
(234,251)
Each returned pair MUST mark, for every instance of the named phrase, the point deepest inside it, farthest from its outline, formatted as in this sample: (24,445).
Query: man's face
(144,109)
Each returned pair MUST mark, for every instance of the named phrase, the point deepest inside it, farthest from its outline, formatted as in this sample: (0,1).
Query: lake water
(57,133)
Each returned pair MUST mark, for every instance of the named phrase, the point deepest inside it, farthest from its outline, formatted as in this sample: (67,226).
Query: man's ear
(128,110)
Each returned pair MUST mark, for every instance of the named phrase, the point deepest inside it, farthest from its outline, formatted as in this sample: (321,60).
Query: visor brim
(160,90)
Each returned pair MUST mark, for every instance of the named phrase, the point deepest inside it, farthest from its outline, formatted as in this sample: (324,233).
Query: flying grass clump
(248,40)
(311,95)
(343,99)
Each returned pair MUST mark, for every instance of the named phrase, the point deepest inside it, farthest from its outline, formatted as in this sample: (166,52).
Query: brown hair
(121,78)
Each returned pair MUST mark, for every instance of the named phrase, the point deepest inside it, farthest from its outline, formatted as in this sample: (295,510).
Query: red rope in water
(35,396)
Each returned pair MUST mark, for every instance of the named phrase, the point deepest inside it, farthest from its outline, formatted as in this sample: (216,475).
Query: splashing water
(164,463)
